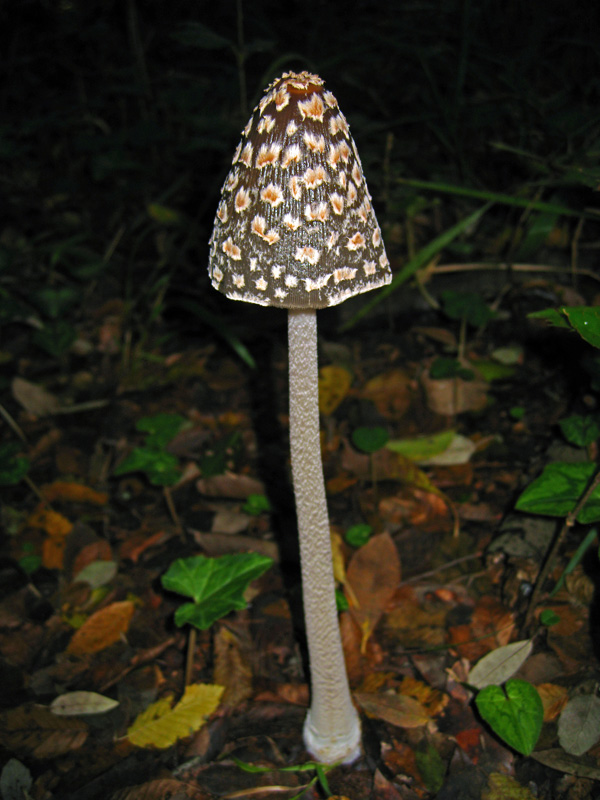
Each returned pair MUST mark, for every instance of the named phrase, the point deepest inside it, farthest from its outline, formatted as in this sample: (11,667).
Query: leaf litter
(432,611)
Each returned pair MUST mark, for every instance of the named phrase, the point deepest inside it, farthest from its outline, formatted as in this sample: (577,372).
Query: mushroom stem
(332,728)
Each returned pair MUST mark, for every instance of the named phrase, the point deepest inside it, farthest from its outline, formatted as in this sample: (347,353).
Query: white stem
(332,728)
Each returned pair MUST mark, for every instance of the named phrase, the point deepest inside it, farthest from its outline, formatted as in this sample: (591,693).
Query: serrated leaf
(557,490)
(216,585)
(579,724)
(514,713)
(500,665)
(81,703)
(161,725)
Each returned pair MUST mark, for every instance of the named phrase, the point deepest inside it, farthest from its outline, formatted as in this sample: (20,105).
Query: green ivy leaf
(216,585)
(586,321)
(514,713)
(557,490)
(161,428)
(162,468)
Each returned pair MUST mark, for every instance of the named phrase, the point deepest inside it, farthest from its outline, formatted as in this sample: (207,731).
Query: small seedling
(515,713)
(160,467)
(13,467)
(216,586)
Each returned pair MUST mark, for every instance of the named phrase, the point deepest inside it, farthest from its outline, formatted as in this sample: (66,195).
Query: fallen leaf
(81,703)
(501,664)
(161,725)
(35,730)
(432,700)
(160,789)
(374,575)
(73,492)
(334,383)
(451,396)
(103,628)
(397,709)
(554,699)
(34,398)
(390,392)
(505,787)
(230,485)
(579,724)
(231,669)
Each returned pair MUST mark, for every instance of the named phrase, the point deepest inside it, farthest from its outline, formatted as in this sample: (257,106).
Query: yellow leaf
(337,551)
(161,726)
(103,628)
(334,383)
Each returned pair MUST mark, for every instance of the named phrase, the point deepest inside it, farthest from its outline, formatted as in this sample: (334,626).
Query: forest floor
(438,573)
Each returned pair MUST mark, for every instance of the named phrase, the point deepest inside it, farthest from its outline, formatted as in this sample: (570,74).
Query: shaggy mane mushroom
(295,228)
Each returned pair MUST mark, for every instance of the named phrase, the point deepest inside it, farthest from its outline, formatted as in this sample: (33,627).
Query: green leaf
(359,534)
(255,504)
(580,430)
(492,371)
(216,585)
(548,618)
(161,428)
(55,302)
(468,306)
(450,368)
(161,468)
(222,456)
(514,713)
(55,338)
(371,439)
(557,490)
(586,321)
(432,767)
(341,602)
(550,315)
(420,448)
(13,467)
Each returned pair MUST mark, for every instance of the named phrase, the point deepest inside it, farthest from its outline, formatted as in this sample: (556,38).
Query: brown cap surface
(295,227)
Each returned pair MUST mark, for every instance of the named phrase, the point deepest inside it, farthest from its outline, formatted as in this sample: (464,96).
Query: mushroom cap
(295,226)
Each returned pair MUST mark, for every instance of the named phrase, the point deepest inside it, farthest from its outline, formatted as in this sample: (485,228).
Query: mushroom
(295,228)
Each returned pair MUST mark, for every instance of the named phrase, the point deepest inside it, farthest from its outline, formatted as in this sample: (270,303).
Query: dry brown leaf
(159,790)
(374,575)
(397,709)
(554,699)
(451,396)
(34,398)
(36,731)
(103,628)
(230,485)
(57,528)
(334,383)
(390,392)
(231,670)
